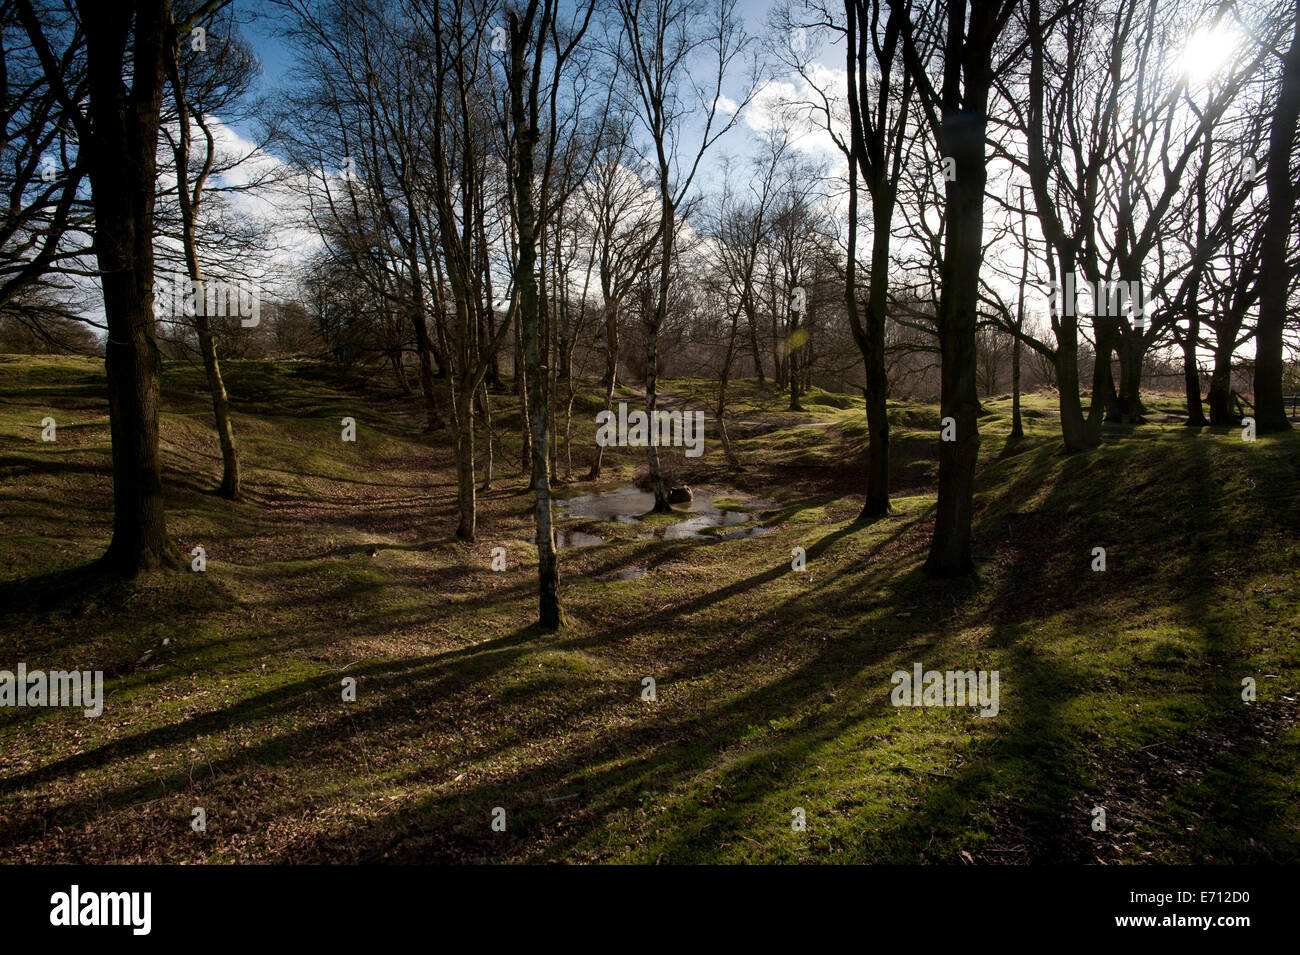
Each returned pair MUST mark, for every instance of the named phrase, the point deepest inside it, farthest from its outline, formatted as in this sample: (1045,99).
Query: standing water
(629,504)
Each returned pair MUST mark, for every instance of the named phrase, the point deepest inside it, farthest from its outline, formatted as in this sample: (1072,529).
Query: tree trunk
(550,614)
(188,202)
(485,410)
(611,375)
(122,164)
(1103,402)
(660,489)
(1065,361)
(778,364)
(753,345)
(1219,397)
(883,187)
(399,372)
(877,390)
(1017,427)
(732,461)
(464,446)
(428,390)
(1073,430)
(550,368)
(489,331)
(423,342)
(521,389)
(950,548)
(667,224)
(1191,370)
(1132,352)
(1270,410)
(794,369)
(220,408)
(964,125)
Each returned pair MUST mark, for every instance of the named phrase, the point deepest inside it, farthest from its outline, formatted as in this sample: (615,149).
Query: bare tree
(667,45)
(201,84)
(370,112)
(1270,413)
(532,33)
(739,230)
(117,129)
(625,233)
(957,113)
(43,226)
(877,147)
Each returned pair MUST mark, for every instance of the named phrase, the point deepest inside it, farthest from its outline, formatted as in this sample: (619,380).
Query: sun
(1206,52)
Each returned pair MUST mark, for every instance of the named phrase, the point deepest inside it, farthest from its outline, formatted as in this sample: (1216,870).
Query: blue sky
(271,51)
(277,57)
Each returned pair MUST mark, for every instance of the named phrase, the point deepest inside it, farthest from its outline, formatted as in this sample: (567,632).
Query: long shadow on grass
(1045,776)
(618,762)
(682,745)
(406,689)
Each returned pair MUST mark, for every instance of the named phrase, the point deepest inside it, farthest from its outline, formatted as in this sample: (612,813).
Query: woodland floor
(1119,689)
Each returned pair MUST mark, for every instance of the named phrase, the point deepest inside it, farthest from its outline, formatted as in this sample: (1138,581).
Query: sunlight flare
(1207,52)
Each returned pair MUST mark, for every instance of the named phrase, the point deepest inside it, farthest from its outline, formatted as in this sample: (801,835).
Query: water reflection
(629,504)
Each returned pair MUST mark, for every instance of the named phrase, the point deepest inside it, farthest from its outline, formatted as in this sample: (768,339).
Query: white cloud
(272,196)
(799,104)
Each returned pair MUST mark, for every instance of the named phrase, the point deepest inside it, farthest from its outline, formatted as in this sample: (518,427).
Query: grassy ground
(1119,690)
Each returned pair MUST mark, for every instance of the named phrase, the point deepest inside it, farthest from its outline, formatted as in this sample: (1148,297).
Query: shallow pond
(629,504)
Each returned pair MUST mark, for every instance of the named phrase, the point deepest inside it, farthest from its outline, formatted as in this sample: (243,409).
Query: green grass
(1119,689)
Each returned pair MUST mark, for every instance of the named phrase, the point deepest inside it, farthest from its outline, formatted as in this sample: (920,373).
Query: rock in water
(680,494)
